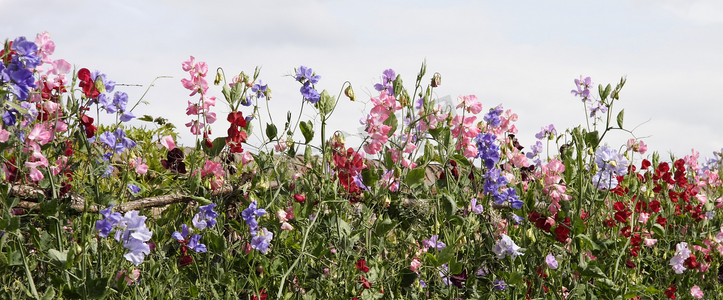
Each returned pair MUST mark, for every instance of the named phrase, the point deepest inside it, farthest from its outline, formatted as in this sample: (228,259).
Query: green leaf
(592,139)
(146,118)
(444,256)
(586,238)
(226,91)
(57,257)
(392,122)
(606,92)
(271,131)
(415,176)
(49,294)
(407,277)
(199,199)
(326,103)
(385,226)
(449,205)
(369,176)
(621,114)
(307,129)
(659,230)
(217,146)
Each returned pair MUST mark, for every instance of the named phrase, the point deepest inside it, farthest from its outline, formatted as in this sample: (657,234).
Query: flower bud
(218,79)
(436,80)
(267,93)
(349,92)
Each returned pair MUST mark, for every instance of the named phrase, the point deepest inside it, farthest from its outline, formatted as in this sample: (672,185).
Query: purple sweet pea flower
(305,74)
(310,93)
(193,242)
(133,233)
(476,208)
(206,217)
(105,226)
(262,240)
(433,242)
(249,215)
(499,285)
(493,117)
(358,180)
(134,188)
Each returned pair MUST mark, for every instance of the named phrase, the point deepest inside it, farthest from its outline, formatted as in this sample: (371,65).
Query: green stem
(33,290)
(301,253)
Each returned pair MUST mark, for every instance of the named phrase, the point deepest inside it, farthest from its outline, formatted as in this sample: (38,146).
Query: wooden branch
(77,203)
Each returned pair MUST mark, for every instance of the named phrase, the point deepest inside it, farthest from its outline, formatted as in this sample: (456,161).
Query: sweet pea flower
(506,247)
(206,217)
(696,292)
(551,261)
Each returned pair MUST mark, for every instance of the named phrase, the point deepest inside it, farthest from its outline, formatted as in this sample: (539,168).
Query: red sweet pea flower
(235,135)
(87,122)
(299,198)
(366,284)
(645,164)
(87,83)
(654,205)
(361,265)
(670,292)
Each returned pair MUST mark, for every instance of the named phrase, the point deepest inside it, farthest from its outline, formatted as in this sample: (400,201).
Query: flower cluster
(464,127)
(260,240)
(308,79)
(610,164)
(505,246)
(130,229)
(205,218)
(377,131)
(197,84)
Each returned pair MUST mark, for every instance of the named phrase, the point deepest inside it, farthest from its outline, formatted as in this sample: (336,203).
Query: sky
(523,55)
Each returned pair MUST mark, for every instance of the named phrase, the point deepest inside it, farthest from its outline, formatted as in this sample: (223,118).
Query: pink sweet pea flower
(696,292)
(39,134)
(167,141)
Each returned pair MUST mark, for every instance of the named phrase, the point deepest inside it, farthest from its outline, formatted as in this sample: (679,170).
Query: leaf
(326,103)
(307,129)
(587,239)
(385,226)
(449,205)
(444,256)
(659,230)
(606,92)
(218,144)
(392,122)
(49,294)
(415,176)
(271,131)
(146,118)
(407,277)
(621,114)
(57,257)
(592,139)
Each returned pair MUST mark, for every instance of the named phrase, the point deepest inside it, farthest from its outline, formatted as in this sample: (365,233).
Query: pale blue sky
(522,54)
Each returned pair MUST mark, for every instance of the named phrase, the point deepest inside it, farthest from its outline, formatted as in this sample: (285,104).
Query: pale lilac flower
(551,261)
(262,241)
(476,208)
(433,242)
(506,247)
(681,254)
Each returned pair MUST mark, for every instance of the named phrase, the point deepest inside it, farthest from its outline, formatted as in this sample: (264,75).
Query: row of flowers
(435,202)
